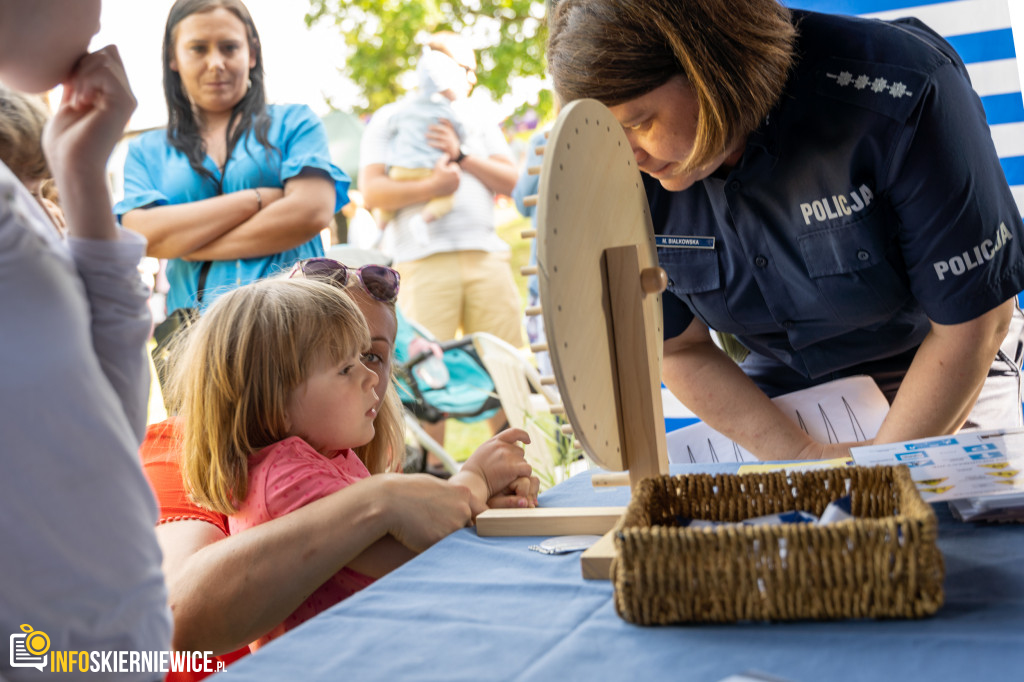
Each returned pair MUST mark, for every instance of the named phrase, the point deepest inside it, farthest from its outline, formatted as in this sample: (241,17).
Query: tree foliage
(384,39)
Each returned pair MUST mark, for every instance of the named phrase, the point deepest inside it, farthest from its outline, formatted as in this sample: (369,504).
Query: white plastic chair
(527,403)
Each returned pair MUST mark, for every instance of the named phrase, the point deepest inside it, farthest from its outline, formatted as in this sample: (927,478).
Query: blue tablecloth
(473,608)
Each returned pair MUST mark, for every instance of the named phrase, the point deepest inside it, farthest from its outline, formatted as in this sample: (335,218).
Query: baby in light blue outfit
(410,156)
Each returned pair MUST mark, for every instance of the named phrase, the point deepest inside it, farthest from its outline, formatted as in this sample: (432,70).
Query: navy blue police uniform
(869,202)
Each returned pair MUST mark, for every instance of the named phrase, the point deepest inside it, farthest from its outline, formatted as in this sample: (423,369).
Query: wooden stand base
(596,562)
(548,521)
(600,286)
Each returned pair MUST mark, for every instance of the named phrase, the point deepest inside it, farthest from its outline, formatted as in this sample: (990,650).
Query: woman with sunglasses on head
(234,189)
(839,176)
(212,613)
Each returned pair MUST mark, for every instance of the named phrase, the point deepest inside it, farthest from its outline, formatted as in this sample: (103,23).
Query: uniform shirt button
(863,255)
(761,261)
(671,282)
(735,185)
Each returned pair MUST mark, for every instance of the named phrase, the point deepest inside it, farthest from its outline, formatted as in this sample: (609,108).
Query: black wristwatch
(462,155)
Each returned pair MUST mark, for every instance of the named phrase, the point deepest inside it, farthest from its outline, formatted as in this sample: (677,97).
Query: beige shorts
(462,292)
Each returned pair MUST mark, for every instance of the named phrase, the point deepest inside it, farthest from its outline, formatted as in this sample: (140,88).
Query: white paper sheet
(845,410)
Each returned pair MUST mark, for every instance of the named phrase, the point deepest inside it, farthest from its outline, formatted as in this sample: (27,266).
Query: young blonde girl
(274,397)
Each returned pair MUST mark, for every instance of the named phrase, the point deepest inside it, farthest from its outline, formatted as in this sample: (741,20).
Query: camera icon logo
(29,648)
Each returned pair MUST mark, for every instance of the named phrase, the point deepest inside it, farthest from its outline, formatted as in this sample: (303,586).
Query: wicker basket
(884,563)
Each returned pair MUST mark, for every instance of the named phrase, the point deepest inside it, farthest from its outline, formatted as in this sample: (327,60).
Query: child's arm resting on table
(433,509)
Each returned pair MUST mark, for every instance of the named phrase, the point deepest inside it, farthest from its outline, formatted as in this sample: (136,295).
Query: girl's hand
(269,195)
(93,112)
(500,461)
(521,493)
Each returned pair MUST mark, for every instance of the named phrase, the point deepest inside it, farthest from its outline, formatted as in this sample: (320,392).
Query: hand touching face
(41,41)
(89,120)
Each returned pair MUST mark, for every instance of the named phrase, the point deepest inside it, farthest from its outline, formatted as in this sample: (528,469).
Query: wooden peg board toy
(600,290)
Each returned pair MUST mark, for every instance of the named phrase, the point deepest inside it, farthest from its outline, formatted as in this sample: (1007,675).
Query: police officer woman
(845,209)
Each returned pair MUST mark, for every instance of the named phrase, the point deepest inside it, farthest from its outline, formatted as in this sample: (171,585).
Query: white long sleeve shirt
(78,556)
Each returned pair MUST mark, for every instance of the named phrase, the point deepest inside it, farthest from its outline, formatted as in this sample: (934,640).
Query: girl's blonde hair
(386,451)
(236,368)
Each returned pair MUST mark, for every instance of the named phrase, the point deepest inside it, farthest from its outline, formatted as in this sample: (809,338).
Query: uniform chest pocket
(695,278)
(852,273)
(690,271)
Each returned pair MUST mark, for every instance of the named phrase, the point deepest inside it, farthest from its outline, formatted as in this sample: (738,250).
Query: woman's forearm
(234,590)
(381,557)
(178,230)
(305,209)
(946,377)
(475,484)
(225,592)
(708,382)
(711,384)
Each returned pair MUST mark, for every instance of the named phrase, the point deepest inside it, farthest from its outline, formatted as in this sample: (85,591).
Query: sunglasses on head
(379,281)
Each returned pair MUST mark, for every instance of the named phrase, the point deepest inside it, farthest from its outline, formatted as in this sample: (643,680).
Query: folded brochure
(981,473)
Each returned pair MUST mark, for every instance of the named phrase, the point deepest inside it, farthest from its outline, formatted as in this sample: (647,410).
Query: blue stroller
(468,394)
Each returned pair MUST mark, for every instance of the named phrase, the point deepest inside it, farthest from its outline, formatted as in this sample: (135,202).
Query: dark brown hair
(735,54)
